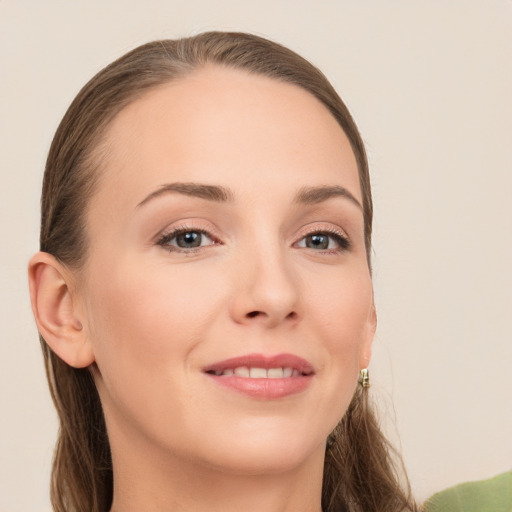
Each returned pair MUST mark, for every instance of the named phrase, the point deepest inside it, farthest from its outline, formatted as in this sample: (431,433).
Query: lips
(260,376)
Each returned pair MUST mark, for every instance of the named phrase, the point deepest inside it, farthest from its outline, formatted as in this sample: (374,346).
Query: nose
(266,291)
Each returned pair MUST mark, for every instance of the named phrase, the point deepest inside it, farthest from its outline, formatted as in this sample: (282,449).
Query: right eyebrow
(209,192)
(315,195)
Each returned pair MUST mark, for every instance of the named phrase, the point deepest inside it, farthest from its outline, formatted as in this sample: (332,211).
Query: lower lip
(268,389)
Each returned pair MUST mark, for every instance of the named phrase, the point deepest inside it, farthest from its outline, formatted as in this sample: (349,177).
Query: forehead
(223,125)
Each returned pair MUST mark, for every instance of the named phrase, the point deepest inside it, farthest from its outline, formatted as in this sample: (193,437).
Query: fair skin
(260,266)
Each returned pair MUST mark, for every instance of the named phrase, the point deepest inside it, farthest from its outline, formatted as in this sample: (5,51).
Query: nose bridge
(267,290)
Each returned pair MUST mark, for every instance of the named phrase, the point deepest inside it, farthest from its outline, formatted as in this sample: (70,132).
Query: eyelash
(342,241)
(166,238)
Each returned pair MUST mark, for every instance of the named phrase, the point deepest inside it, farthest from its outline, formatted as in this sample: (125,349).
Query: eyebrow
(219,194)
(315,195)
(214,193)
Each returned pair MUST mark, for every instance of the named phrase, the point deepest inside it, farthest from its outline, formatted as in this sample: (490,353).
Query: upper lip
(263,361)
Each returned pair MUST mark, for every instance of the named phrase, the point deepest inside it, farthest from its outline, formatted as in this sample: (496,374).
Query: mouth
(264,377)
(258,373)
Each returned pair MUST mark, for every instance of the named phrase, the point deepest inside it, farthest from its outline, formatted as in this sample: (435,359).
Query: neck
(148,481)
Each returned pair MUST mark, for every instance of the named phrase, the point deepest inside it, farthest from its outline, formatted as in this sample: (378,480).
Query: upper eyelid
(190,225)
(323,229)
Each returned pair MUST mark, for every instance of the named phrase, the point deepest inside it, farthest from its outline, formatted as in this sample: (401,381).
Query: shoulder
(493,495)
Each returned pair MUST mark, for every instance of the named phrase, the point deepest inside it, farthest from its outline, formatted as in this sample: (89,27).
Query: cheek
(146,322)
(148,317)
(342,309)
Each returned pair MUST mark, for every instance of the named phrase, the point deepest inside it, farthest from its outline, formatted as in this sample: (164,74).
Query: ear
(365,352)
(53,305)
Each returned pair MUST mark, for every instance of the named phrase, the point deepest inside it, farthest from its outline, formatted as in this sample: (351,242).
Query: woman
(203,290)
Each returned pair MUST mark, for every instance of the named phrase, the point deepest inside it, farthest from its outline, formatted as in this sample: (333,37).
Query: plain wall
(430,85)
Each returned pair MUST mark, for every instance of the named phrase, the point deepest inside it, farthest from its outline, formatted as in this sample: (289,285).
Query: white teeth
(242,371)
(275,373)
(258,373)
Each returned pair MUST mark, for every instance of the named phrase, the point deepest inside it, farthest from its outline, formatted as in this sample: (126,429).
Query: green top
(493,495)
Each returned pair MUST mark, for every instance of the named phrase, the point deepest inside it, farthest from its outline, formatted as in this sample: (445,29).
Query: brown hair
(359,472)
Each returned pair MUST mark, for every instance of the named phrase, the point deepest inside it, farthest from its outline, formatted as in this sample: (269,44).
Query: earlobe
(54,310)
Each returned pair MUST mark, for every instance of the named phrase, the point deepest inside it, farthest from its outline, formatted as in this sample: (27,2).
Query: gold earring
(364,378)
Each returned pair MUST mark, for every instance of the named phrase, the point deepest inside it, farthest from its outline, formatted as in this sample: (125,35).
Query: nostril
(292,315)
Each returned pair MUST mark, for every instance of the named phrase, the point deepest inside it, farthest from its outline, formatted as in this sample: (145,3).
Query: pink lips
(263,387)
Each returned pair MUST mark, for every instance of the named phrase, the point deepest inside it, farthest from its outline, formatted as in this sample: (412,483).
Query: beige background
(429,83)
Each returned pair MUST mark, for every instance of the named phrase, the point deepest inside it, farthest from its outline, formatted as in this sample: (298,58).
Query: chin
(265,453)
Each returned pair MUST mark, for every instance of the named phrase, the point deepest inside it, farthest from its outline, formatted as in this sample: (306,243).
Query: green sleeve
(493,495)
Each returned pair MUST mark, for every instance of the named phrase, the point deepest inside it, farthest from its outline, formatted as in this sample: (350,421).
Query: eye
(324,241)
(182,239)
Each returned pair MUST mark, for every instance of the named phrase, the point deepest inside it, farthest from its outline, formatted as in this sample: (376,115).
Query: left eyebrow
(315,195)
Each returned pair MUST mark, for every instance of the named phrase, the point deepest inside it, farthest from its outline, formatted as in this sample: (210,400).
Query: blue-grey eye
(189,239)
(324,241)
(317,241)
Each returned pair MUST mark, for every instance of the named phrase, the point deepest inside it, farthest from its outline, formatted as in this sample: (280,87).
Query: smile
(263,377)
(259,373)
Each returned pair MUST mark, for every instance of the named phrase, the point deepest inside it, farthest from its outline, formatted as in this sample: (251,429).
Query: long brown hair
(359,472)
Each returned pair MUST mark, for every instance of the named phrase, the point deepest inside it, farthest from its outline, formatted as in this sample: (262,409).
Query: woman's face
(226,253)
